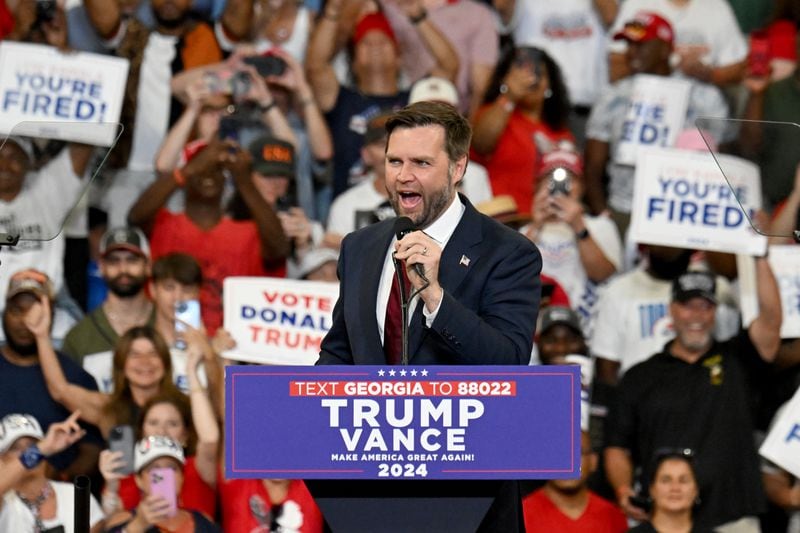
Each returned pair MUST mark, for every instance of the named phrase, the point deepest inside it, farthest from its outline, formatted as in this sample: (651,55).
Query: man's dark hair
(457,131)
(183,268)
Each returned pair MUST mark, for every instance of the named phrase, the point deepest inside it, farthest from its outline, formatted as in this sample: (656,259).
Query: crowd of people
(253,142)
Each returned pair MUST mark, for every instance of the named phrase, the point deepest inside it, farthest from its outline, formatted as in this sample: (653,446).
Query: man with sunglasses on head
(697,394)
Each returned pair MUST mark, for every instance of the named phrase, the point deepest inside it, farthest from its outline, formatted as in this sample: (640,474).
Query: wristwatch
(582,234)
(31,457)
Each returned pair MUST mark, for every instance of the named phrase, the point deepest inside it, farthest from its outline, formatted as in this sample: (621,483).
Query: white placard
(785,263)
(682,199)
(277,321)
(782,445)
(655,116)
(46,92)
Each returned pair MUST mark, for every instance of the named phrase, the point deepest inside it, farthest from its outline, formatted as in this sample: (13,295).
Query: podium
(406,449)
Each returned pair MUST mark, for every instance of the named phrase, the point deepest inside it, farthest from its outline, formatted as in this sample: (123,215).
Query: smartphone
(268,65)
(758,60)
(162,483)
(187,311)
(559,182)
(121,439)
(228,129)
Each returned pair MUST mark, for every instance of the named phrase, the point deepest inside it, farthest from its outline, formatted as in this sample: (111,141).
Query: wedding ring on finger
(425,251)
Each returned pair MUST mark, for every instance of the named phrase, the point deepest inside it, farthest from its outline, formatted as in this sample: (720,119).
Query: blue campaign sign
(383,422)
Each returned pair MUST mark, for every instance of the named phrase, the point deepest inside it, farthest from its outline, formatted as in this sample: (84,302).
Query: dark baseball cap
(124,238)
(273,157)
(31,281)
(554,315)
(694,285)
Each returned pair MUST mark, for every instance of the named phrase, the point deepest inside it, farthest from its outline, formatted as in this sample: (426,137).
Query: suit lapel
(373,257)
(458,257)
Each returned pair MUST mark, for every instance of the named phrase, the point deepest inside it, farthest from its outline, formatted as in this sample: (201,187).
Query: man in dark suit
(477,305)
(482,299)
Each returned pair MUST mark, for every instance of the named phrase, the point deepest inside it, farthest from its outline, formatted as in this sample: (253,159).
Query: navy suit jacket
(490,277)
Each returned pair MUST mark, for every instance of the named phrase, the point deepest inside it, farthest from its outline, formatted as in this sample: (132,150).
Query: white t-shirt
(152,101)
(561,260)
(475,183)
(608,119)
(358,198)
(708,26)
(15,515)
(571,32)
(633,322)
(37,213)
(99,365)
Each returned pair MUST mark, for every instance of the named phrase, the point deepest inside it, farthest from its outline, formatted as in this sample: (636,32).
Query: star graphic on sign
(391,372)
(414,372)
(424,372)
(402,372)
(381,372)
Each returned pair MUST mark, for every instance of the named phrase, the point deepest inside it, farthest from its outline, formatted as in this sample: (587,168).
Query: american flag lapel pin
(464,261)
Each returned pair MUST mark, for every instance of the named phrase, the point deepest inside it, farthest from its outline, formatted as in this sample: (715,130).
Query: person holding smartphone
(525,113)
(159,463)
(28,500)
(274,177)
(580,251)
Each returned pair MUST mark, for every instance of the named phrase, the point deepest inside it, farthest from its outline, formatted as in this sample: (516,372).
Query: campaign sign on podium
(403,422)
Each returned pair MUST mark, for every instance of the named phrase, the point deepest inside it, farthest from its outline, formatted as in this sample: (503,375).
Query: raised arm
(38,320)
(59,437)
(437,44)
(294,79)
(492,121)
(274,243)
(143,212)
(596,157)
(203,418)
(321,49)
(170,152)
(765,330)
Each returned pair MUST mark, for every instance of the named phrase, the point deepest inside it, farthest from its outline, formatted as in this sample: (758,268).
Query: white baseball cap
(151,448)
(15,426)
(434,89)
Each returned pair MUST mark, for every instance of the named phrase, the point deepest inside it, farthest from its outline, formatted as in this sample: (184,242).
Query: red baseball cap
(646,26)
(562,158)
(373,22)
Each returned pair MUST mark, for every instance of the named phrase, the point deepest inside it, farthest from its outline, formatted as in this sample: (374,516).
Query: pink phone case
(162,483)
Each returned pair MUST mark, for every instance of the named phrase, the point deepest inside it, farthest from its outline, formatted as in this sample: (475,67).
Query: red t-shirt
(300,512)
(514,164)
(231,248)
(6,20)
(600,516)
(196,494)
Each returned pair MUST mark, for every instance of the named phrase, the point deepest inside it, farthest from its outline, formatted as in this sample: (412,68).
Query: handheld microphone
(402,227)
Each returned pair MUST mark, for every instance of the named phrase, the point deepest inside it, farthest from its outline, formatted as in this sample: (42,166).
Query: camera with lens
(559,182)
(45,10)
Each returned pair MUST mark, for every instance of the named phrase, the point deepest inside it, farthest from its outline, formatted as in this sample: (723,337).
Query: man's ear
(459,168)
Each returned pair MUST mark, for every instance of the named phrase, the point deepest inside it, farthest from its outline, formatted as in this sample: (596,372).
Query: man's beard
(171,23)
(700,345)
(433,209)
(23,350)
(129,290)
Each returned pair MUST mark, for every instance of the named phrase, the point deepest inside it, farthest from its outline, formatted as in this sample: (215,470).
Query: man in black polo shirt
(696,395)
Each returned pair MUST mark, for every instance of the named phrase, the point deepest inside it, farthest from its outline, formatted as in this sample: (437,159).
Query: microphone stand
(404,305)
